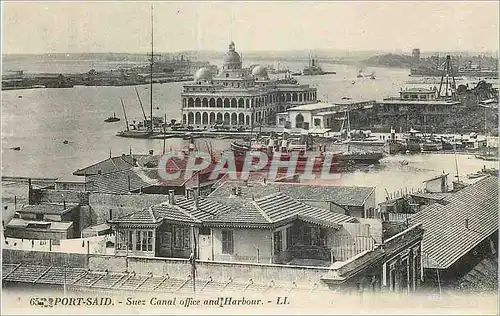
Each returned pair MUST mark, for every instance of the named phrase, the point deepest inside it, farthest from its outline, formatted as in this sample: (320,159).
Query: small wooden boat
(474,175)
(15,148)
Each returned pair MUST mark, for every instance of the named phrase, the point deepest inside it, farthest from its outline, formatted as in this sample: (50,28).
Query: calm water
(42,119)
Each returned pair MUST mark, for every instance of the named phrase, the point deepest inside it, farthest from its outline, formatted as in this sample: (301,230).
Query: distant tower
(415,53)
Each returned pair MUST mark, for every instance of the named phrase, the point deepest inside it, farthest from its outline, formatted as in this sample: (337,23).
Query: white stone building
(238,96)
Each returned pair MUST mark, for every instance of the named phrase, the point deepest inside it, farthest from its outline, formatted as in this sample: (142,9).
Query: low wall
(177,268)
(59,196)
(242,272)
(44,258)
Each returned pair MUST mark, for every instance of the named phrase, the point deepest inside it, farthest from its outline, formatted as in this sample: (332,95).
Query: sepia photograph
(249,157)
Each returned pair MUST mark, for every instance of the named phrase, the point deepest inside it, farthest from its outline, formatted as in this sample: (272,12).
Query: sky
(72,27)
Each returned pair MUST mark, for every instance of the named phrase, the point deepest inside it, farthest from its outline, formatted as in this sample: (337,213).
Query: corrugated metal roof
(446,238)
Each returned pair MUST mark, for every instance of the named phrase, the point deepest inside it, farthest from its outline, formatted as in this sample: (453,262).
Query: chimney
(245,182)
(64,204)
(196,199)
(238,191)
(171,194)
(265,180)
(467,223)
(188,193)
(99,171)
(151,152)
(234,190)
(110,214)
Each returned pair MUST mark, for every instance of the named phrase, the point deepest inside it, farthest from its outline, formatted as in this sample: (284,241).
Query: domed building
(203,75)
(238,96)
(259,72)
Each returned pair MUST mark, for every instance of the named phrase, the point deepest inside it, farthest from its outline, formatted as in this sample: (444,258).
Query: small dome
(259,71)
(203,74)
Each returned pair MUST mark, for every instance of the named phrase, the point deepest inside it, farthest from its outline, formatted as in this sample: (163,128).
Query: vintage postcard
(248,157)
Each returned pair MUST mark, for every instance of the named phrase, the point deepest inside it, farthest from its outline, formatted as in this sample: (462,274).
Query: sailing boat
(147,130)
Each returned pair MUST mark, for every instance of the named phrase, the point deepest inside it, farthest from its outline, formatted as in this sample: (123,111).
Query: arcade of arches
(219,110)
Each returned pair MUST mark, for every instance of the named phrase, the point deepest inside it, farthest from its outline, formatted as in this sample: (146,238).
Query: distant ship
(313,69)
(112,119)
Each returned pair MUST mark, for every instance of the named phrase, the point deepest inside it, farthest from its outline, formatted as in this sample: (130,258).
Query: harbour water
(40,120)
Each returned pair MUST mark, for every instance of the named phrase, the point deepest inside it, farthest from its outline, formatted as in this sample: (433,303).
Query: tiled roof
(243,213)
(279,206)
(174,213)
(118,182)
(207,208)
(446,238)
(108,165)
(434,196)
(53,209)
(342,195)
(145,216)
(272,209)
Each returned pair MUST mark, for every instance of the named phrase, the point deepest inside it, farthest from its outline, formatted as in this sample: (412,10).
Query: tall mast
(151,74)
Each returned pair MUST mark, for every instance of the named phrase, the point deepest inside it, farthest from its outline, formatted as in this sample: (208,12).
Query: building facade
(239,97)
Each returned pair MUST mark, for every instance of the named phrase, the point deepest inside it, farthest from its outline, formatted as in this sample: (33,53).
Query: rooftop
(326,105)
(444,175)
(52,209)
(452,230)
(274,209)
(111,164)
(420,102)
(30,224)
(235,212)
(342,195)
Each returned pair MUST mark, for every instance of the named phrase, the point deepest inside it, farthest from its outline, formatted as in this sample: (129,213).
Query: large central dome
(232,59)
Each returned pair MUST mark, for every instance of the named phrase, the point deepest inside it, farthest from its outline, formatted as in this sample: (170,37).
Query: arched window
(184,119)
(241,103)
(226,103)
(204,118)
(212,118)
(219,102)
(212,102)
(190,118)
(299,121)
(241,119)
(197,118)
(233,103)
(234,119)
(190,103)
(204,102)
(226,119)
(197,102)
